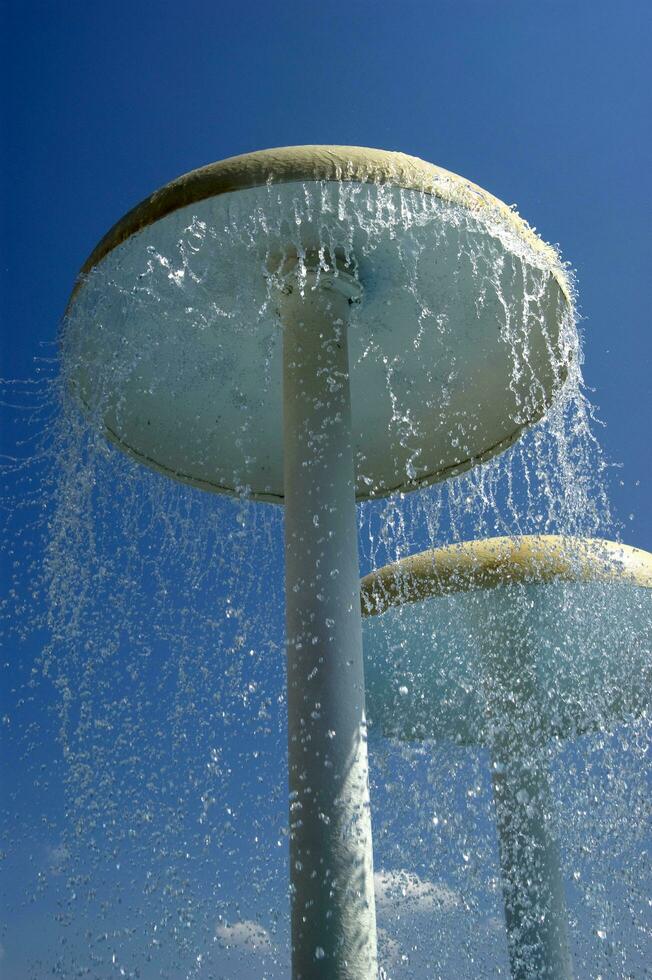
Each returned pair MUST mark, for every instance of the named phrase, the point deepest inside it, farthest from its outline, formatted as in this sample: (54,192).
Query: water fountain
(555,640)
(316,326)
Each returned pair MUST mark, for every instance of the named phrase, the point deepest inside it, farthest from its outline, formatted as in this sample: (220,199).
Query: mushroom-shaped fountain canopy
(449,632)
(463,336)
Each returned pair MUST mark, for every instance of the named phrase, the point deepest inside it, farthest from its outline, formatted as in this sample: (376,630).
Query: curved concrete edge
(428,480)
(319,163)
(491,562)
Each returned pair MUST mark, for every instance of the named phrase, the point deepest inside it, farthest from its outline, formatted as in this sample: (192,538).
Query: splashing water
(153,714)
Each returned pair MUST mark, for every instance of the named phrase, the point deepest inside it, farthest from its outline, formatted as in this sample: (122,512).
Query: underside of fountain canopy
(461,340)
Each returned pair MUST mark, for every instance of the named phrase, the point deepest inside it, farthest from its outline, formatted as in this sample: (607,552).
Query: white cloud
(400,890)
(247,951)
(388,948)
(57,857)
(246,936)
(408,908)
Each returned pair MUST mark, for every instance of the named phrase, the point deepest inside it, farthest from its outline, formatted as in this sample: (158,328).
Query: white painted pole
(331,866)
(533,888)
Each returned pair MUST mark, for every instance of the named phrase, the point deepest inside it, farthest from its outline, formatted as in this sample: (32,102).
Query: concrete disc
(558,629)
(463,337)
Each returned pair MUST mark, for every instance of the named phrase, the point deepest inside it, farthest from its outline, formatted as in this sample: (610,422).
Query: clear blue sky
(546,103)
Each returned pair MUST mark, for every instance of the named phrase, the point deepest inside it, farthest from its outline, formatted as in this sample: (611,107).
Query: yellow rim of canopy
(488,563)
(355,164)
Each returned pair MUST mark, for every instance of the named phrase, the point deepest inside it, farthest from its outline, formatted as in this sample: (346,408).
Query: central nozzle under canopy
(464,336)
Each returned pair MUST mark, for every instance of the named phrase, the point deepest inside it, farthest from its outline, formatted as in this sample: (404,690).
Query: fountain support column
(179,411)
(536,916)
(532,883)
(331,865)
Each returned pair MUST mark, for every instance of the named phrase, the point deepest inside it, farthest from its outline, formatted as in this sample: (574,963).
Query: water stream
(145,617)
